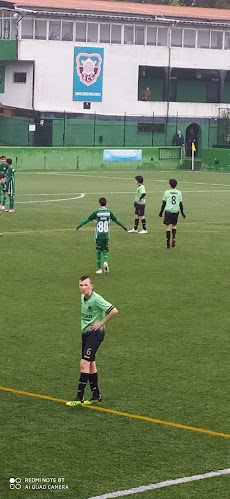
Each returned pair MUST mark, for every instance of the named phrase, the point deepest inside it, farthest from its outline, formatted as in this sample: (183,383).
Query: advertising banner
(88,74)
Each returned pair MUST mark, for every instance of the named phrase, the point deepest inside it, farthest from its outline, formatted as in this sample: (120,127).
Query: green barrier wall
(98,132)
(216,159)
(79,158)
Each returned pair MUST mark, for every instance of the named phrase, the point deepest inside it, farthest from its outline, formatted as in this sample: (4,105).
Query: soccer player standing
(9,186)
(171,203)
(2,182)
(139,205)
(3,169)
(102,218)
(95,313)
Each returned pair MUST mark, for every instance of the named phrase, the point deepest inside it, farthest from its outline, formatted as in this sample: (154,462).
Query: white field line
(71,174)
(34,201)
(50,200)
(160,485)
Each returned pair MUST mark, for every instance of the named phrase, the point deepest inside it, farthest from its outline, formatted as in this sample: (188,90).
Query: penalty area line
(160,485)
(119,413)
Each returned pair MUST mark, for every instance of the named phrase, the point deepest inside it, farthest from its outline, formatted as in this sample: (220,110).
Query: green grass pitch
(165,356)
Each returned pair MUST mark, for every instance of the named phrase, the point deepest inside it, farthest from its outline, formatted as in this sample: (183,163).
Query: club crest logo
(88,67)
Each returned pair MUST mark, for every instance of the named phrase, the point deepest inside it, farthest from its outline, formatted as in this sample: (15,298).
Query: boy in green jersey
(139,205)
(102,218)
(95,313)
(9,186)
(3,169)
(3,166)
(171,203)
(2,182)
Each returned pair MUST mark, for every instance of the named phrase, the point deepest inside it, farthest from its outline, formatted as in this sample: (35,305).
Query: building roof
(126,8)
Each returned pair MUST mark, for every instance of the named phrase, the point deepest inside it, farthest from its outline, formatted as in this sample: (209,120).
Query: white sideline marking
(167,483)
(73,174)
(115,192)
(50,200)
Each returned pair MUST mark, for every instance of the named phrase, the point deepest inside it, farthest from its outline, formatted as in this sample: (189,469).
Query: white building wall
(53,91)
(18,94)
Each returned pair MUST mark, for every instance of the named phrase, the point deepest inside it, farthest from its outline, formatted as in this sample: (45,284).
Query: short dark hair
(173,182)
(2,175)
(9,161)
(102,201)
(139,179)
(1,157)
(84,277)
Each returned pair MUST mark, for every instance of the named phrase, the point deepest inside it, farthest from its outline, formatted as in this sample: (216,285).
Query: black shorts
(139,209)
(91,341)
(170,218)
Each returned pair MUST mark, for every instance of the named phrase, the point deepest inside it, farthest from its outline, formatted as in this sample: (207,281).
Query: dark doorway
(44,133)
(193,135)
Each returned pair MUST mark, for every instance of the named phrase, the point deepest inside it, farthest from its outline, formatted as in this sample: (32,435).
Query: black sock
(144,223)
(93,380)
(174,233)
(168,238)
(81,385)
(136,222)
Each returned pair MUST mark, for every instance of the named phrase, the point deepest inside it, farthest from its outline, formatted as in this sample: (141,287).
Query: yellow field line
(119,413)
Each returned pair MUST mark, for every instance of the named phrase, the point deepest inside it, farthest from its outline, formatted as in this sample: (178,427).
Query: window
(216,39)
(54,30)
(92,35)
(162,37)
(14,29)
(104,33)
(189,38)
(212,91)
(19,78)
(6,29)
(27,28)
(116,33)
(67,31)
(81,32)
(176,37)
(40,29)
(203,39)
(139,35)
(227,40)
(128,34)
(151,127)
(151,35)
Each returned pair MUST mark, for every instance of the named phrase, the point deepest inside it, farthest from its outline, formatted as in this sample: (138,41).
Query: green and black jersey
(10,184)
(93,309)
(102,220)
(3,167)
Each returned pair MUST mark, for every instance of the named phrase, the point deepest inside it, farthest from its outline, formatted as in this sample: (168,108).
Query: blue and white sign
(122,155)
(88,73)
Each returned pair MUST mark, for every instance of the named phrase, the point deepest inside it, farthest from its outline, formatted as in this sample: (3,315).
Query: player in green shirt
(139,205)
(3,165)
(3,169)
(95,313)
(102,218)
(171,203)
(10,186)
(2,182)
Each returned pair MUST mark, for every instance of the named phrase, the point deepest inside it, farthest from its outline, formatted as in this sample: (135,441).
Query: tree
(215,4)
